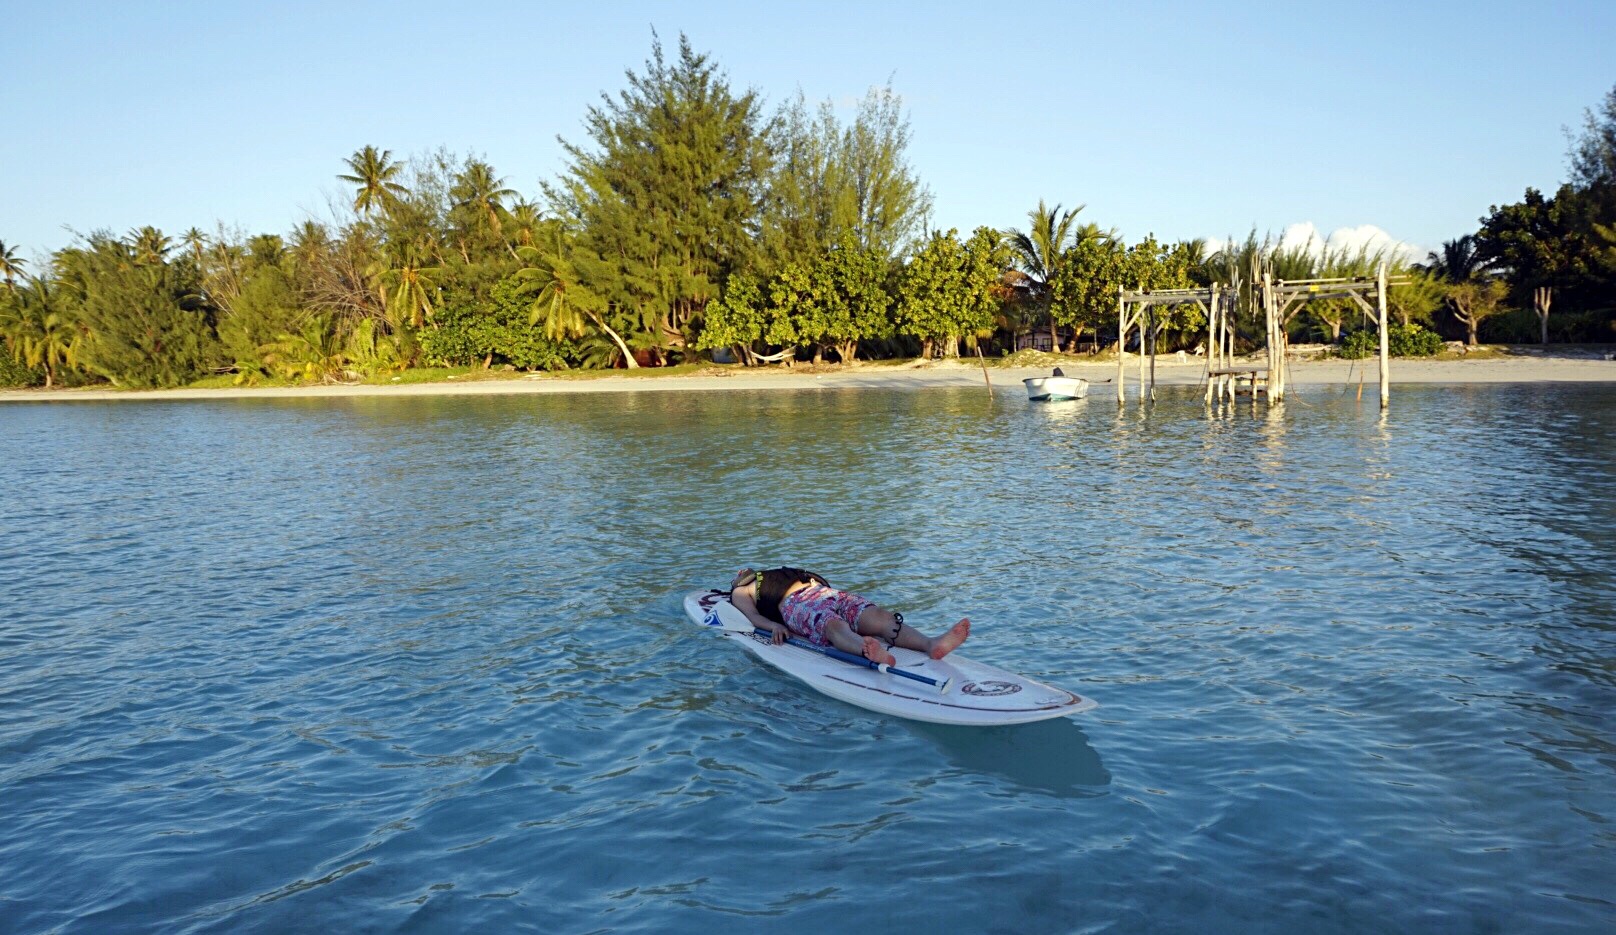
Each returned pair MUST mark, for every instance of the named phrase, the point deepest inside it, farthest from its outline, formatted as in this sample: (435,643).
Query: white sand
(1571,367)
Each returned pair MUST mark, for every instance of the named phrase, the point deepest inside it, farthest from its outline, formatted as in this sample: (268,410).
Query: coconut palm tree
(375,173)
(1041,249)
(42,334)
(1467,275)
(525,219)
(1459,261)
(11,266)
(560,301)
(149,244)
(479,188)
(266,249)
(196,242)
(408,289)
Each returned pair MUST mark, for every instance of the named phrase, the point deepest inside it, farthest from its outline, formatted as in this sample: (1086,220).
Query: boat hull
(1055,389)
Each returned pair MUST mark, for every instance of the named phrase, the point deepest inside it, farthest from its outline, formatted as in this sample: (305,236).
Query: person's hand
(779,635)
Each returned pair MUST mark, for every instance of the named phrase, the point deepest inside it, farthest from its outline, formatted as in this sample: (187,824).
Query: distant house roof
(1017,280)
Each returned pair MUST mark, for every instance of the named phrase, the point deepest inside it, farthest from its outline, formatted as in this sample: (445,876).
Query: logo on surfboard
(990,689)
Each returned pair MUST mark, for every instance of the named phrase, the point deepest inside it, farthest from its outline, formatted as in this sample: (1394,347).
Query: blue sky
(1181,120)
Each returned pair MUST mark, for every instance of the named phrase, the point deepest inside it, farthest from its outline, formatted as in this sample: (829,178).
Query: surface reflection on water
(1052,757)
(386,664)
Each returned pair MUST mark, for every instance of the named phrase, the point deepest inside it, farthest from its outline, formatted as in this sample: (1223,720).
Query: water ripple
(420,664)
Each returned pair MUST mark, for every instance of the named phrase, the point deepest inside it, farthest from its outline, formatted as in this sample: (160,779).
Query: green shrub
(467,333)
(1412,341)
(1401,341)
(13,373)
(1579,327)
(1356,345)
(1521,326)
(1516,326)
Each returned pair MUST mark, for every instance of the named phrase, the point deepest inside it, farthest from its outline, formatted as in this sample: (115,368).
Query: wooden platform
(1254,377)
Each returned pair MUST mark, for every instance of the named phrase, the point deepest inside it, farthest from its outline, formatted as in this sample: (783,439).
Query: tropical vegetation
(692,222)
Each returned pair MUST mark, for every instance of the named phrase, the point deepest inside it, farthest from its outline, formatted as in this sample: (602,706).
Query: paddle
(730,618)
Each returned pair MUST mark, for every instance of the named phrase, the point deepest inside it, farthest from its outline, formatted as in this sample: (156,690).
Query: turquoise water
(420,665)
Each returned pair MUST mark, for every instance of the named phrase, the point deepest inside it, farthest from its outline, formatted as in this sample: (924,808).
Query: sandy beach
(1530,366)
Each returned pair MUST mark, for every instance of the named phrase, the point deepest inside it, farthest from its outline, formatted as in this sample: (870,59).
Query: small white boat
(1055,389)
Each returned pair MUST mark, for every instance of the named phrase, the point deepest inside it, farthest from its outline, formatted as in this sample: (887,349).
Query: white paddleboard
(978,694)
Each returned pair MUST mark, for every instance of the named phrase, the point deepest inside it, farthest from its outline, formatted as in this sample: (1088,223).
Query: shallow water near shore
(419,664)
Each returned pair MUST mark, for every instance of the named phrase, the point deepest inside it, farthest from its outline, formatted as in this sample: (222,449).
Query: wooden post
(1122,345)
(1385,356)
(983,361)
(1211,340)
(1228,344)
(1143,310)
(1268,322)
(1276,376)
(1151,312)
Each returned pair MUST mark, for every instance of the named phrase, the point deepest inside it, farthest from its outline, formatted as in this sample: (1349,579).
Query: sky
(1405,120)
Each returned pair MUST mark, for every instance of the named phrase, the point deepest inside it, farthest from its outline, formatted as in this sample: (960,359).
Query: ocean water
(385,665)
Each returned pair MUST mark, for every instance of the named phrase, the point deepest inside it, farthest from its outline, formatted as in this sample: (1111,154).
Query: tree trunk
(1335,332)
(1541,297)
(628,356)
(1077,333)
(926,345)
(1054,339)
(847,351)
(1463,314)
(951,347)
(819,353)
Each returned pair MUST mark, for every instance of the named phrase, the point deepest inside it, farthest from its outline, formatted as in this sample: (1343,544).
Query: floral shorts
(808,610)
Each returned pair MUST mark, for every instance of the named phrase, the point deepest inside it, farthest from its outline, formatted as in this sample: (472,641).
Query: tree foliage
(145,318)
(949,289)
(666,198)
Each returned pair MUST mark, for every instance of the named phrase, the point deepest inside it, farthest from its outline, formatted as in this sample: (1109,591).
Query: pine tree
(666,200)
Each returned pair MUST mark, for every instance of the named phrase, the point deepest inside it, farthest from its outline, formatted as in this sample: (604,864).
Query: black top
(773,584)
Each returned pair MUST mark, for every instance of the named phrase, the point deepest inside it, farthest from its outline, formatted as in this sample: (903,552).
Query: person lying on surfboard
(786,601)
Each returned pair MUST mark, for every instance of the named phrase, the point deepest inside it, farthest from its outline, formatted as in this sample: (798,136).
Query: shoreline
(1522,368)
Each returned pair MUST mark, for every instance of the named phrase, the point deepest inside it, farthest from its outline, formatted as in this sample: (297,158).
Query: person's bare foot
(948,642)
(875,652)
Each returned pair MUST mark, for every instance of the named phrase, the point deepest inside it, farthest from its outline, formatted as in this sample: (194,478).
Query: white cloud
(1306,234)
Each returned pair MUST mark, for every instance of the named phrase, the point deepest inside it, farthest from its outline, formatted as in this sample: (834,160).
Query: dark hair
(772,585)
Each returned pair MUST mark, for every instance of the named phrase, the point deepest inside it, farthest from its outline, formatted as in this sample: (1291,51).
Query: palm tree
(197,242)
(375,174)
(526,216)
(1467,273)
(44,335)
(149,244)
(408,289)
(11,266)
(1040,252)
(266,249)
(1458,262)
(562,302)
(482,190)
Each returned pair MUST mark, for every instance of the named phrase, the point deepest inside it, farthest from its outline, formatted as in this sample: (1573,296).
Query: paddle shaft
(730,617)
(834,653)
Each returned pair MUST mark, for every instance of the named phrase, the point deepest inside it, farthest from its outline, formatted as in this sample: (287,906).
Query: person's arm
(744,601)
